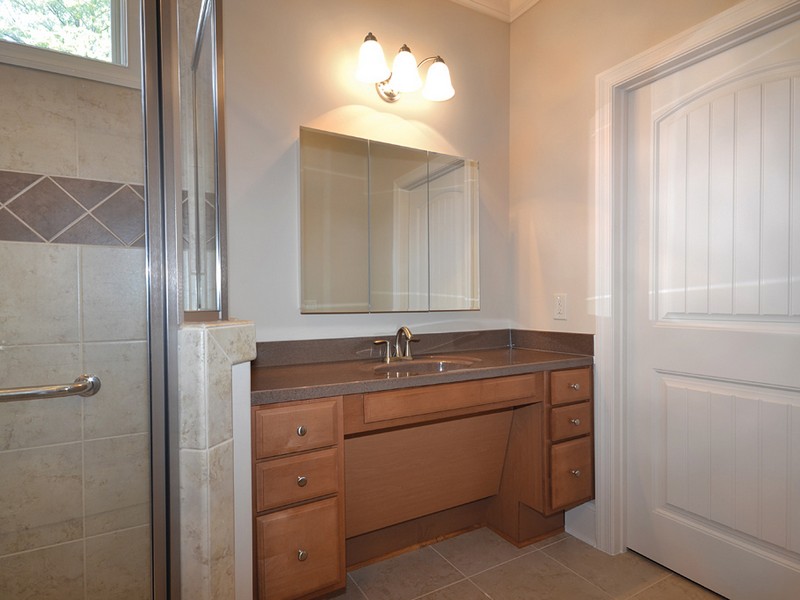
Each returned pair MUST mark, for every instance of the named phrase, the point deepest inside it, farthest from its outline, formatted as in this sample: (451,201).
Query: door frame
(742,22)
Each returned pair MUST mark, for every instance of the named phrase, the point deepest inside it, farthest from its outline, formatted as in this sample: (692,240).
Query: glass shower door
(75,497)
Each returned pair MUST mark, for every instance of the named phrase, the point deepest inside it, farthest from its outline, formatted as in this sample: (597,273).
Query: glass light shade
(372,67)
(405,77)
(437,84)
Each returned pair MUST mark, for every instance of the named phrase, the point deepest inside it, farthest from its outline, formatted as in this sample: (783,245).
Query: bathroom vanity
(352,463)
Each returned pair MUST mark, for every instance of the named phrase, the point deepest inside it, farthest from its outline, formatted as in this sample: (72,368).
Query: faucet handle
(388,356)
(408,346)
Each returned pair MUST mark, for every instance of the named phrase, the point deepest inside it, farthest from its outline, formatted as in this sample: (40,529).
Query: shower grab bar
(85,385)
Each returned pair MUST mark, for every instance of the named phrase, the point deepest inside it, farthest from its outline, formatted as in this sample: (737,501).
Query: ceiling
(505,10)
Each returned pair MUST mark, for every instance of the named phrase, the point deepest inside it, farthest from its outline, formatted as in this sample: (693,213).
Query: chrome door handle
(85,385)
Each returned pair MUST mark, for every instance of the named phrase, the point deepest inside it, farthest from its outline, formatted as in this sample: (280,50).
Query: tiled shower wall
(74,499)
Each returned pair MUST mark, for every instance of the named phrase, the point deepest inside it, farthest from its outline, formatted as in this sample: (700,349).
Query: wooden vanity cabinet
(569,447)
(298,483)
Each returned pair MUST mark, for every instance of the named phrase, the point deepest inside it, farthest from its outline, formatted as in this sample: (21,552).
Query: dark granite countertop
(282,383)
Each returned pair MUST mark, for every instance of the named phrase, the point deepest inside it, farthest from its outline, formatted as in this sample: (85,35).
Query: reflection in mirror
(202,188)
(453,225)
(335,217)
(398,228)
(386,228)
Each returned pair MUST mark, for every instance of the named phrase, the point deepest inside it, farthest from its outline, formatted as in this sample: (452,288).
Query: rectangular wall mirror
(386,228)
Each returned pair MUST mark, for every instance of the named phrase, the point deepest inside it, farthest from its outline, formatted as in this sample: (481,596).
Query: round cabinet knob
(302,481)
(575,472)
(575,386)
(301,431)
(575,422)
(302,555)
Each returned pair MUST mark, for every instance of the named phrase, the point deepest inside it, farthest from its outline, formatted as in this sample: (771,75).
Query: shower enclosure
(89,277)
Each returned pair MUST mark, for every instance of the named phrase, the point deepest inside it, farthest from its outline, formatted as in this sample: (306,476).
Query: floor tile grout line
(644,589)
(594,585)
(483,591)
(439,589)
(358,587)
(505,562)
(464,575)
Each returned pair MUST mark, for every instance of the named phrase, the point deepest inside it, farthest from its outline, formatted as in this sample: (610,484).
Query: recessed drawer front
(296,478)
(298,551)
(570,421)
(571,473)
(570,386)
(295,428)
(397,404)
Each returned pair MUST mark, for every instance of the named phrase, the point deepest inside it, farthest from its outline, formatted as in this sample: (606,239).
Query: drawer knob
(302,555)
(301,431)
(575,386)
(302,481)
(575,472)
(575,422)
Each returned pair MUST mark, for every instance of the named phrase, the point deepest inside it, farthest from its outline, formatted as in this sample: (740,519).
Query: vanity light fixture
(404,75)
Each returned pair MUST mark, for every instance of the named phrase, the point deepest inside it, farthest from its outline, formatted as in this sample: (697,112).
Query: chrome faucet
(403,350)
(402,345)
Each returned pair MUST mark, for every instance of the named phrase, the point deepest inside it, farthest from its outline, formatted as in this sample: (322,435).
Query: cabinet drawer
(299,551)
(570,421)
(295,427)
(296,478)
(570,386)
(571,475)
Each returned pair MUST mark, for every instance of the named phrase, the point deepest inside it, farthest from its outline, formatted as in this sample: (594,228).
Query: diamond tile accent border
(66,210)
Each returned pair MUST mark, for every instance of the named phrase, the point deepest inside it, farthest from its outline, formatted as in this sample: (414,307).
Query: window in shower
(92,39)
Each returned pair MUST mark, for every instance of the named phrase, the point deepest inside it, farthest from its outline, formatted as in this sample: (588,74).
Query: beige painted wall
(558,48)
(292,63)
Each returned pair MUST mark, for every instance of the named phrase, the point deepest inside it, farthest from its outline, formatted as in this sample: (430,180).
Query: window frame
(127,74)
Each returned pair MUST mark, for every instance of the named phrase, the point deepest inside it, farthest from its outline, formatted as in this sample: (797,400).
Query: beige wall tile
(110,108)
(117,483)
(44,504)
(41,304)
(31,423)
(221,519)
(54,573)
(218,394)
(237,339)
(37,121)
(122,405)
(118,565)
(113,286)
(195,550)
(103,155)
(192,387)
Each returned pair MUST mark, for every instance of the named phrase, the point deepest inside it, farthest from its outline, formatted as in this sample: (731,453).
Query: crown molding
(505,10)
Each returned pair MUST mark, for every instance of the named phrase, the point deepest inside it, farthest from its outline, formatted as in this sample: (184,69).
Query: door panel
(713,323)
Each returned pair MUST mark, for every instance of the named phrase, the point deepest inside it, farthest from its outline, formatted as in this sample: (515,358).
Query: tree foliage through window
(78,27)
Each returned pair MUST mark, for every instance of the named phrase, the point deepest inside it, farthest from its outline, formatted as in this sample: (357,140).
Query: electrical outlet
(560,307)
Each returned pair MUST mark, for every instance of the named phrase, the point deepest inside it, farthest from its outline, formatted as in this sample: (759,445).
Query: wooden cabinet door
(299,551)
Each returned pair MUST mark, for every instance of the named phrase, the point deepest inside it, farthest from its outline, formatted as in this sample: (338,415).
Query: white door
(713,319)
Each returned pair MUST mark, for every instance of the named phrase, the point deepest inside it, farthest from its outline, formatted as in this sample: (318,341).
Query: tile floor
(480,565)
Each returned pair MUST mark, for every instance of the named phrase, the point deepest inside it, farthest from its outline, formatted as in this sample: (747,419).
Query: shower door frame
(162,183)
